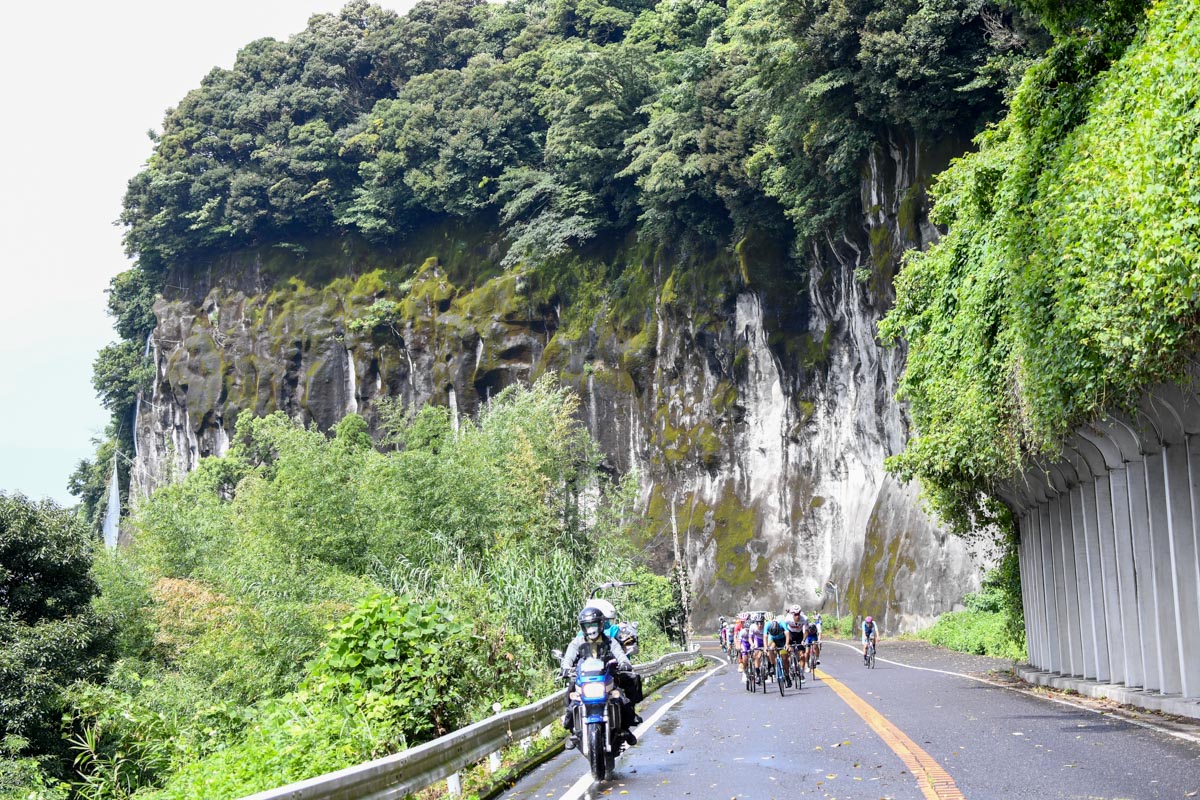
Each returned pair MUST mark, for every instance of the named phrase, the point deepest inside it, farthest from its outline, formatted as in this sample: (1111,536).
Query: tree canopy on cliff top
(691,120)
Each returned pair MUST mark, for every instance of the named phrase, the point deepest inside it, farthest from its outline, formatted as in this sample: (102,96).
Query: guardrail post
(494,762)
(526,743)
(454,785)
(546,731)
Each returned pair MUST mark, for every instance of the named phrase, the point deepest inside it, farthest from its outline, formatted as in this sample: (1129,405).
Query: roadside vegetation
(993,623)
(1067,281)
(308,602)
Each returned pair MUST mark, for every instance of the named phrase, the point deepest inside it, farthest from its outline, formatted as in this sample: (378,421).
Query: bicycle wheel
(780,678)
(871,657)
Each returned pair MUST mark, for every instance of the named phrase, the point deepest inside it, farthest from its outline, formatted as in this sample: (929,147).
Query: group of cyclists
(751,638)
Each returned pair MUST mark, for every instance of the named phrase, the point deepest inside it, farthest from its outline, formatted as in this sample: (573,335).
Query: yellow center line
(935,782)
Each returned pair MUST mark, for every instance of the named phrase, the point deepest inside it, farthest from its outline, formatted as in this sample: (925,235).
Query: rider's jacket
(868,630)
(579,648)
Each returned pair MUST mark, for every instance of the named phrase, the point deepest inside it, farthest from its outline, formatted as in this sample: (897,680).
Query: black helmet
(591,622)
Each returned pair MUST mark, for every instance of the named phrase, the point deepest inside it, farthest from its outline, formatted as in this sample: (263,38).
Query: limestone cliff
(751,396)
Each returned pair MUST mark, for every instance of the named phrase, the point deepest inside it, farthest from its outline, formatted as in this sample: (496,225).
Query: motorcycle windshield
(592,667)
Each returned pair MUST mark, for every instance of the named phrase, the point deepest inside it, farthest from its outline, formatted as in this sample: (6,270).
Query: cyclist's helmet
(794,610)
(606,608)
(869,619)
(744,616)
(591,622)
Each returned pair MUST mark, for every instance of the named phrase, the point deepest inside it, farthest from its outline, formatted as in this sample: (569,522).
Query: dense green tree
(131,296)
(826,79)
(48,636)
(120,370)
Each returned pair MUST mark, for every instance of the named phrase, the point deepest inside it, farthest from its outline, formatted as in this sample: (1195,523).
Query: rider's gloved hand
(626,667)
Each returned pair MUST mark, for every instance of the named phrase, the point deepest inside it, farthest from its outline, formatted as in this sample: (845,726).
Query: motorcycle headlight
(593,691)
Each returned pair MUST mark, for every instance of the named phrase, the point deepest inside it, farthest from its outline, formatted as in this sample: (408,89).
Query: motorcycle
(597,705)
(598,718)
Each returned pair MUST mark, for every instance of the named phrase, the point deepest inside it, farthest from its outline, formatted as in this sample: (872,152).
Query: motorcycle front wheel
(596,747)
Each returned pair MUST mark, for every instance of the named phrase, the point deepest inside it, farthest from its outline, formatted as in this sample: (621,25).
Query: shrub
(983,633)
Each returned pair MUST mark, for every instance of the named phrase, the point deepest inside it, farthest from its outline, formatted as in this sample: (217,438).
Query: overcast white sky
(80,84)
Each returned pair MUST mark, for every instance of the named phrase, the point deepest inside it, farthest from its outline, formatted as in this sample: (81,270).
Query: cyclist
(777,638)
(796,623)
(737,637)
(722,633)
(592,626)
(812,639)
(751,641)
(870,635)
(817,619)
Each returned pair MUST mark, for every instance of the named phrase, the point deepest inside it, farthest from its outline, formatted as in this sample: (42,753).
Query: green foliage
(120,370)
(89,482)
(48,636)
(982,633)
(562,119)
(124,601)
(399,663)
(1066,281)
(265,617)
(381,315)
(44,560)
(832,625)
(26,778)
(131,297)
(291,738)
(993,623)
(825,77)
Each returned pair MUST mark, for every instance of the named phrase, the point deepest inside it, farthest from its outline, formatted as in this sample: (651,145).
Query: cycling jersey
(777,632)
(868,630)
(750,638)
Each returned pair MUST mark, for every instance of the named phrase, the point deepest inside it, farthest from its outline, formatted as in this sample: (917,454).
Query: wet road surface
(894,732)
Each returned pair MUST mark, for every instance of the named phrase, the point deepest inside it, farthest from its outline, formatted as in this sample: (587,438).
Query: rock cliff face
(754,400)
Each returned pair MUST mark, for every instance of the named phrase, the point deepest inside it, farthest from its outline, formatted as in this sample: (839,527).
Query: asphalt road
(904,732)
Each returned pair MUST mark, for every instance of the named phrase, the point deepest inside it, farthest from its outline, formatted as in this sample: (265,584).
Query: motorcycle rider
(594,641)
(625,634)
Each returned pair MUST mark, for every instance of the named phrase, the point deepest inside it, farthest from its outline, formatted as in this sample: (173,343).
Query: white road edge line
(1027,693)
(583,784)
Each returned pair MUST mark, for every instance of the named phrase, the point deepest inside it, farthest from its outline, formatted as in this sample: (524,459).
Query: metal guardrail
(392,777)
